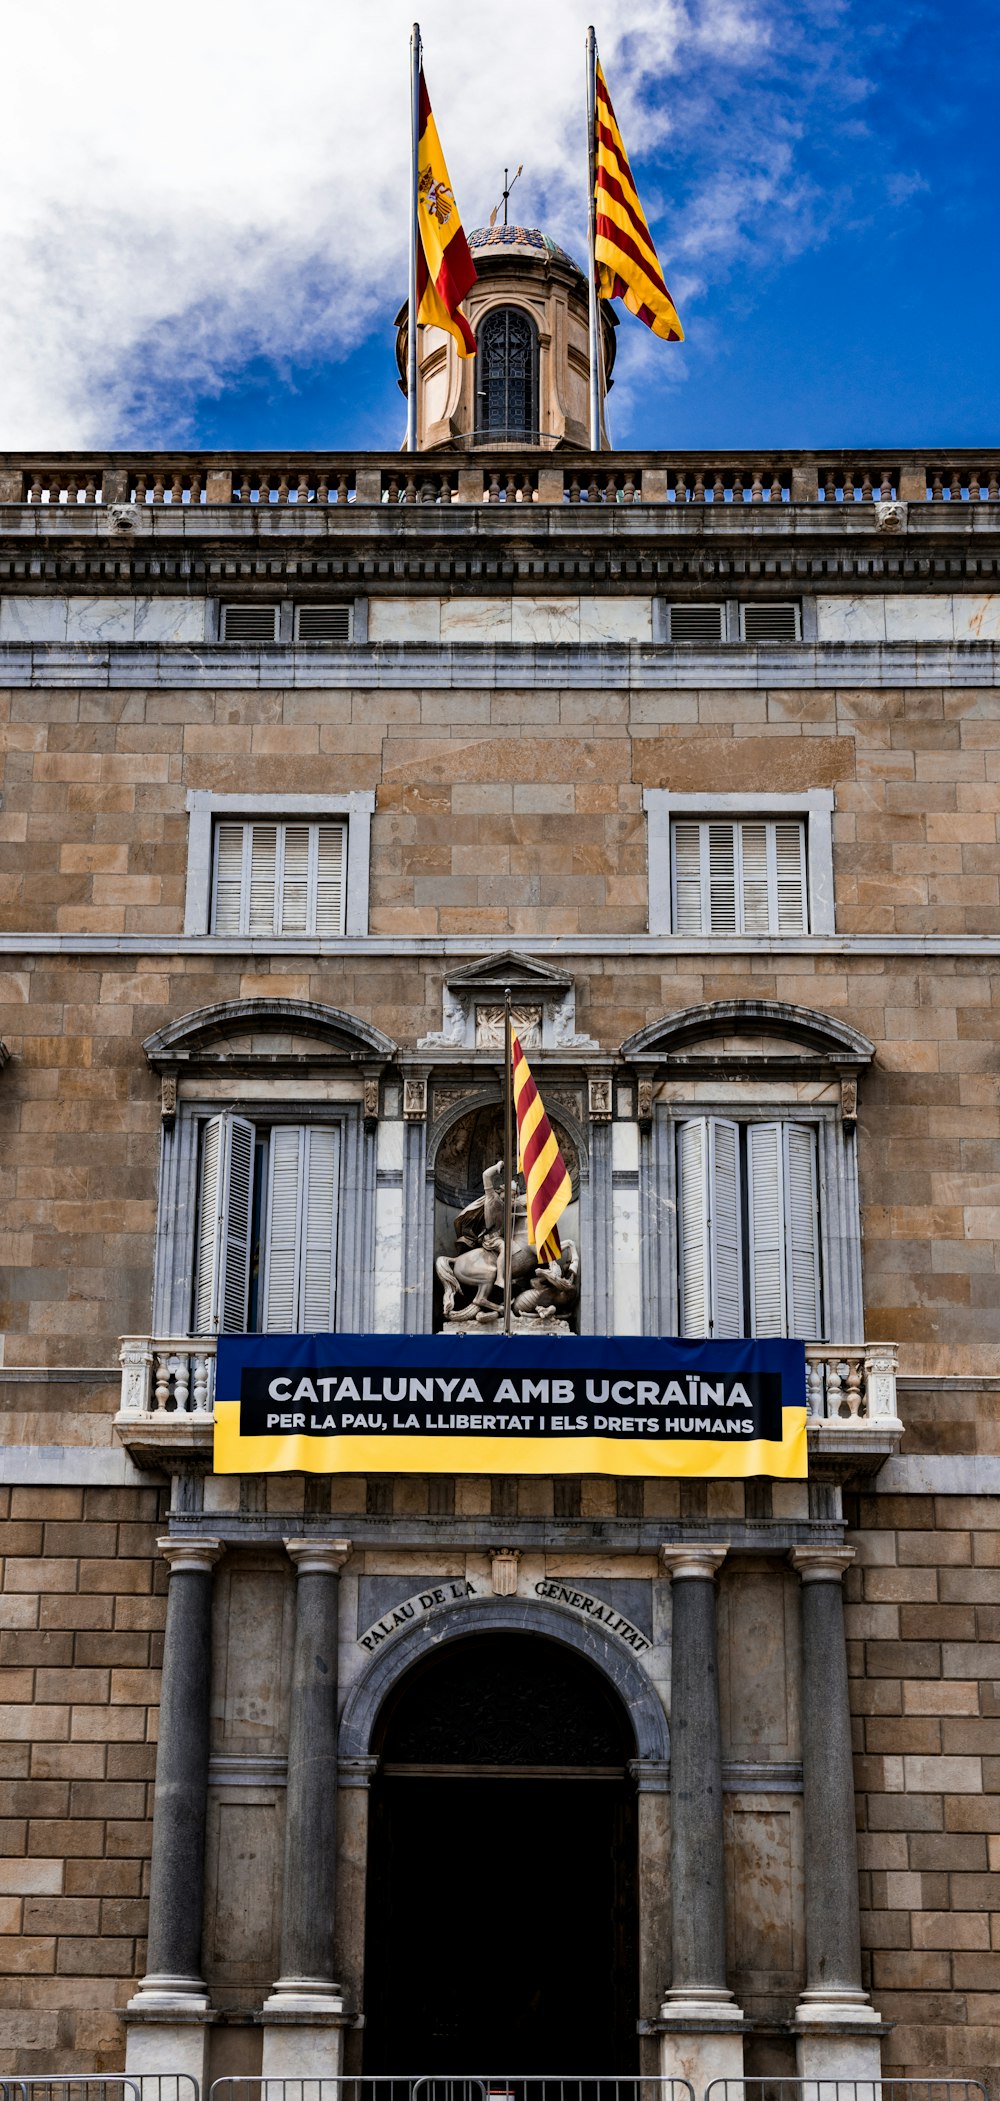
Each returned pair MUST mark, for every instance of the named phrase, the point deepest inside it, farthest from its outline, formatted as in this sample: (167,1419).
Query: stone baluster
(167,2029)
(702,2026)
(305,1997)
(838,2029)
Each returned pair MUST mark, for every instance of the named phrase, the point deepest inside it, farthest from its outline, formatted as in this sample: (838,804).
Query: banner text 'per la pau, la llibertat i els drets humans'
(622,1405)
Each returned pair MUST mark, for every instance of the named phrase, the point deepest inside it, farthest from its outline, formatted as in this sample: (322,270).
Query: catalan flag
(541,1163)
(445,269)
(627,264)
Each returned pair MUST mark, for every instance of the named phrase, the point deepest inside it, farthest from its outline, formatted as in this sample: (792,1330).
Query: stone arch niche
(473,1141)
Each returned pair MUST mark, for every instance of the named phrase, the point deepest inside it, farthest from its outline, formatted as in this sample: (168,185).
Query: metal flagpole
(416,60)
(508,1159)
(593,316)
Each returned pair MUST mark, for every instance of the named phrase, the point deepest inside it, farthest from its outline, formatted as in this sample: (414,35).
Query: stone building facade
(529,717)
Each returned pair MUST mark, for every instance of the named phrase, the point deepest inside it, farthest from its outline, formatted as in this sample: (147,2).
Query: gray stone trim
(632,667)
(822,1039)
(490,1615)
(445,945)
(925,1473)
(191,1038)
(815,805)
(205,808)
(70,1465)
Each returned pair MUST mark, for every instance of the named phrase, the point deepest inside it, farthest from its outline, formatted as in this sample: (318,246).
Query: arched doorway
(507,377)
(502,1930)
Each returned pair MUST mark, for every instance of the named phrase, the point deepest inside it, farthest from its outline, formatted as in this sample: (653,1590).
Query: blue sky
(821,176)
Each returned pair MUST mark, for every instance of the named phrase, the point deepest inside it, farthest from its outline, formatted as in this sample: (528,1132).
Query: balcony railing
(170,1379)
(512,475)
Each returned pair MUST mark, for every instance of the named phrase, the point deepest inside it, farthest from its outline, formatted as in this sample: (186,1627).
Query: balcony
(168,1401)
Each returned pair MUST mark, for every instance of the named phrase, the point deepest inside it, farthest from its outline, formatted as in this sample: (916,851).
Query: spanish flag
(627,263)
(542,1165)
(445,269)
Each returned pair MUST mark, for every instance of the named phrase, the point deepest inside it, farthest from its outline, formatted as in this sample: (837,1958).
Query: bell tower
(527,384)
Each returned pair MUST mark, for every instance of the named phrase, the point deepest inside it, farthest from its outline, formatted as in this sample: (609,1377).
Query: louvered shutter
(230,840)
(300,1231)
(279,1296)
(766,1210)
(802,1232)
(687,878)
(293,911)
(330,843)
(754,878)
(318,1281)
(692,1208)
(725,1227)
(722,878)
(222,1281)
(261,918)
(790,877)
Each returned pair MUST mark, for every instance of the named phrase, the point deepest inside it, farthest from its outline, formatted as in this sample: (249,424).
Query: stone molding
(821,1564)
(694,1562)
(187,1556)
(318,1557)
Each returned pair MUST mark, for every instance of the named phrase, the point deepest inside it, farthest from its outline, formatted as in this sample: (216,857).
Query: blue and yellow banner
(623,1405)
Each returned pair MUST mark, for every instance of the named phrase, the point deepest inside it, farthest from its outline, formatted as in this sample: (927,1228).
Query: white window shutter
(754,875)
(766,1207)
(223,1274)
(262,915)
(692,1209)
(293,912)
(229,844)
(318,1280)
(802,1232)
(687,878)
(725,1227)
(282,1228)
(722,878)
(329,909)
(790,877)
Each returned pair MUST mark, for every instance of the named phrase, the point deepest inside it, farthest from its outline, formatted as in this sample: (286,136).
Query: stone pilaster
(304,2017)
(167,2029)
(702,2026)
(834,2017)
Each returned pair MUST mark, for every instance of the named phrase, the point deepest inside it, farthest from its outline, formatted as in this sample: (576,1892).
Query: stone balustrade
(509,476)
(171,1379)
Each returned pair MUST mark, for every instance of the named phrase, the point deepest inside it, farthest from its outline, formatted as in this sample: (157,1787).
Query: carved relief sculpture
(473,1278)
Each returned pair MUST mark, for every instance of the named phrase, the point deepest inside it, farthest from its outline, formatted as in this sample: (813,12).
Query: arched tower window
(507,377)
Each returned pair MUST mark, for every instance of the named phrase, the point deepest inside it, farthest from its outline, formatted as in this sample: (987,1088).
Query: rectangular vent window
(770,623)
(323,623)
(696,623)
(249,623)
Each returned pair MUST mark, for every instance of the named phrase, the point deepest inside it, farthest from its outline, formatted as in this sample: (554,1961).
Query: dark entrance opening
(502,1930)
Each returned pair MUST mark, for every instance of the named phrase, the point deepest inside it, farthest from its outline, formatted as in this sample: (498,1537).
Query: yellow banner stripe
(706,1458)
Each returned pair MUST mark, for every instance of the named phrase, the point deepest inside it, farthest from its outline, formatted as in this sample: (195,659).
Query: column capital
(184,1555)
(821,1564)
(696,1561)
(318,1557)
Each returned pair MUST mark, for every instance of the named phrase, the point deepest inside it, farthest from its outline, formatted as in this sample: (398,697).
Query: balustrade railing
(533,475)
(174,1376)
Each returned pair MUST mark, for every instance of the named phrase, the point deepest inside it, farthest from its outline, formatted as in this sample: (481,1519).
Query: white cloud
(184,189)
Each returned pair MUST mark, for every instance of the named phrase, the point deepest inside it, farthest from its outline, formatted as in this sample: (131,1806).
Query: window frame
(772,876)
(484,434)
(246,825)
(206,810)
(745,1281)
(814,807)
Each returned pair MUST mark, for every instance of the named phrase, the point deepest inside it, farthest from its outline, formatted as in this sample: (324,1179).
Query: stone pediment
(543,1000)
(269,1031)
(751,1032)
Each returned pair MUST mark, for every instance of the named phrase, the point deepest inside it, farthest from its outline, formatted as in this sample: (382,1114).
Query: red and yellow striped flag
(445,269)
(627,264)
(541,1163)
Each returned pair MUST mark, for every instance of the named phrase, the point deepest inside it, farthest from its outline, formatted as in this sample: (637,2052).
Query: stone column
(701,2022)
(167,2030)
(305,2015)
(838,2029)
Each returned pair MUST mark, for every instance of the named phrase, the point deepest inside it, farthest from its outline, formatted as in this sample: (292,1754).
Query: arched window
(507,376)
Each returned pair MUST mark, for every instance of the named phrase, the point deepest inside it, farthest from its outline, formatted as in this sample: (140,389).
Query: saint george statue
(473,1279)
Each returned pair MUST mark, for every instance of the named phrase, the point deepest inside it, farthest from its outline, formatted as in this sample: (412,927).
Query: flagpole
(593,314)
(416,59)
(508,1161)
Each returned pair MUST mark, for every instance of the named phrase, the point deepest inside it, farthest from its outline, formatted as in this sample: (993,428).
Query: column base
(303,2023)
(838,2036)
(701,2038)
(167,2028)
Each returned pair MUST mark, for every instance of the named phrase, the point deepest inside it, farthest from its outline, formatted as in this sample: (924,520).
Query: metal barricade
(764,2088)
(455,2086)
(70,2086)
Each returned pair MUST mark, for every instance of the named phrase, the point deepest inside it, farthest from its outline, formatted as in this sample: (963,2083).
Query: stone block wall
(82,1608)
(923,1623)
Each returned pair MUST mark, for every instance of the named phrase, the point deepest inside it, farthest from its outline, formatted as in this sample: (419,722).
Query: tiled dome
(520,240)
